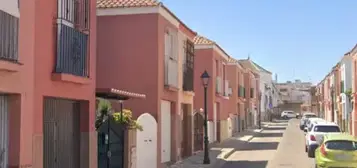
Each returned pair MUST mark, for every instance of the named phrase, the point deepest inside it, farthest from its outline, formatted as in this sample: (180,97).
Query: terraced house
(47,88)
(211,57)
(237,99)
(336,93)
(143,47)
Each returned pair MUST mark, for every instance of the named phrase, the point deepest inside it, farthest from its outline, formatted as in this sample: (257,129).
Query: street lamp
(205,79)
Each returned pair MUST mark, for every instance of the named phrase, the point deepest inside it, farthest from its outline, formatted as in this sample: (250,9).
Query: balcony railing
(171,73)
(72,51)
(188,66)
(188,79)
(9,37)
(219,85)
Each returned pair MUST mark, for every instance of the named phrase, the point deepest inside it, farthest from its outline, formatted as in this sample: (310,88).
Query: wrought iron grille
(9,35)
(188,67)
(72,51)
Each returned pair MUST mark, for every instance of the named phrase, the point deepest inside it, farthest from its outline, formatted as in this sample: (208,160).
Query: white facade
(346,82)
(266,88)
(297,91)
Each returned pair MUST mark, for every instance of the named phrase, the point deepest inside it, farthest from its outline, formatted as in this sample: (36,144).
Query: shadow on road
(276,128)
(255,146)
(246,164)
(270,135)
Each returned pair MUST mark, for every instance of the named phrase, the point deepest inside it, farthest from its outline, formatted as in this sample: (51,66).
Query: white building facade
(346,86)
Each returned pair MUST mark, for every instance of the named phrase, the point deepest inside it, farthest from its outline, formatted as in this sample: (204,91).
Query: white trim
(214,47)
(139,10)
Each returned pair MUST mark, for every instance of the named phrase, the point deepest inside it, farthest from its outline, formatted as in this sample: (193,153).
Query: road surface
(280,145)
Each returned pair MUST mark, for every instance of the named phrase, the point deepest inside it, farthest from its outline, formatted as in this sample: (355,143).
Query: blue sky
(294,38)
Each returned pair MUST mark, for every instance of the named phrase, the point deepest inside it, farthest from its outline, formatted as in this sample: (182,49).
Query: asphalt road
(281,145)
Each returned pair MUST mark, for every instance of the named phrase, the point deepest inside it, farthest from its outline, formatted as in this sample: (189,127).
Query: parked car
(337,150)
(304,118)
(309,121)
(288,114)
(316,132)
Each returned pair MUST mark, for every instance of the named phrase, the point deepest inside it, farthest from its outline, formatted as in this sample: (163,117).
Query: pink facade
(134,45)
(236,100)
(40,74)
(210,57)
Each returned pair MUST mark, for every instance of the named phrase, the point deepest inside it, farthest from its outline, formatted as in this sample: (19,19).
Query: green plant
(126,118)
(104,108)
(348,93)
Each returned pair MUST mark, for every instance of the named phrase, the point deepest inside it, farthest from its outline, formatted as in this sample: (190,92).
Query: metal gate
(198,132)
(111,155)
(4,132)
(61,133)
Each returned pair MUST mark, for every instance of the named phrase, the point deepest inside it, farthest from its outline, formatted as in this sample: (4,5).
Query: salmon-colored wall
(131,57)
(223,111)
(232,76)
(204,61)
(33,80)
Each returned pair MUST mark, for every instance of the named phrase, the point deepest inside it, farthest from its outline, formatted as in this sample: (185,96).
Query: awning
(116,94)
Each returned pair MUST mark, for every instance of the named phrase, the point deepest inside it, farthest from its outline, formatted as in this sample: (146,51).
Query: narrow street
(280,145)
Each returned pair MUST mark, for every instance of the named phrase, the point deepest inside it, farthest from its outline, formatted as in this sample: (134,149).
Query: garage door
(4,133)
(61,133)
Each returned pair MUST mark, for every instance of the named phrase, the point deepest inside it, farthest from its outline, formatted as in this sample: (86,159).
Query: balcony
(73,33)
(188,67)
(9,37)
(219,85)
(188,79)
(171,74)
(72,51)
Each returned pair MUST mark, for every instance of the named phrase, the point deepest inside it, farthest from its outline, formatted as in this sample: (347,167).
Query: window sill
(9,66)
(171,88)
(190,93)
(70,78)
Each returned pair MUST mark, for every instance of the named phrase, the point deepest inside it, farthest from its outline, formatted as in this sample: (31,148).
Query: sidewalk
(218,151)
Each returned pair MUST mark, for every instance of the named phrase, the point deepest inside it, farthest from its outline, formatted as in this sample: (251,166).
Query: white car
(309,121)
(288,114)
(315,134)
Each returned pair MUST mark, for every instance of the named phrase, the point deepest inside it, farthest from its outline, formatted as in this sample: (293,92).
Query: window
(327,129)
(341,145)
(170,46)
(74,13)
(9,36)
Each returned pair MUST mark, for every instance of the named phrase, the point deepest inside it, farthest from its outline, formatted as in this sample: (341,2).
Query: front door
(198,132)
(165,131)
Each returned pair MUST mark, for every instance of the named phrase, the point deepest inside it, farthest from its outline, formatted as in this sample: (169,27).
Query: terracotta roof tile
(126,3)
(202,40)
(232,60)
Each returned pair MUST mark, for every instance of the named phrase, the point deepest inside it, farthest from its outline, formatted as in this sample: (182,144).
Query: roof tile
(202,40)
(126,3)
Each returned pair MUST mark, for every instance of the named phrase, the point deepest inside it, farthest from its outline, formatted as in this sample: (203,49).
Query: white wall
(265,79)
